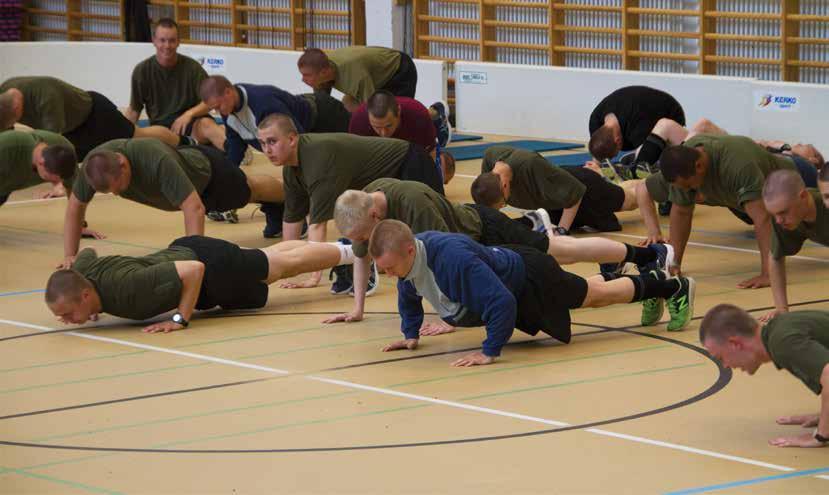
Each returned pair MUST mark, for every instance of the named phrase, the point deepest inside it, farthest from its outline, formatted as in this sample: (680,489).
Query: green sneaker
(652,311)
(681,305)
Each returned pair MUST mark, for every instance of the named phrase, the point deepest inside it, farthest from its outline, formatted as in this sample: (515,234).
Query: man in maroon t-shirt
(386,115)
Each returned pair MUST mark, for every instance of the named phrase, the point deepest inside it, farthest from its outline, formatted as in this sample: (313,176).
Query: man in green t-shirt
(573,196)
(798,214)
(714,170)
(195,272)
(797,341)
(317,168)
(357,213)
(167,85)
(359,71)
(189,179)
(85,118)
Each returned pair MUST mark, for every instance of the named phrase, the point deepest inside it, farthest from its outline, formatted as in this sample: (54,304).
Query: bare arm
(193,210)
(648,212)
(807,439)
(361,274)
(681,218)
(568,215)
(777,277)
(191,274)
(670,131)
(72,226)
(316,233)
(180,124)
(762,230)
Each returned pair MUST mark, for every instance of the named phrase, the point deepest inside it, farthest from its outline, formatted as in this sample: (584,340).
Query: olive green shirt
(17,170)
(799,342)
(536,183)
(135,287)
(51,104)
(788,242)
(362,70)
(331,163)
(166,93)
(162,177)
(737,170)
(421,208)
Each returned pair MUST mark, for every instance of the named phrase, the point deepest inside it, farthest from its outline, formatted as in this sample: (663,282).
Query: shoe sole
(661,314)
(669,260)
(692,290)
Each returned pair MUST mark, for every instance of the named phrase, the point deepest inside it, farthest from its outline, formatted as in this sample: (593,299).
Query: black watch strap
(561,231)
(820,438)
(178,318)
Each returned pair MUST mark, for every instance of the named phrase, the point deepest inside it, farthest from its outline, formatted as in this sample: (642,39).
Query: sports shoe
(344,281)
(681,304)
(230,216)
(652,311)
(616,269)
(444,129)
(248,158)
(664,259)
(216,216)
(540,219)
(373,281)
(273,220)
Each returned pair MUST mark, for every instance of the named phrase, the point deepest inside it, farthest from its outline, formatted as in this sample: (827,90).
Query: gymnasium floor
(277,402)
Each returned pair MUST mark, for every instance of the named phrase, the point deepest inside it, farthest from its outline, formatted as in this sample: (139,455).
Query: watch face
(177,318)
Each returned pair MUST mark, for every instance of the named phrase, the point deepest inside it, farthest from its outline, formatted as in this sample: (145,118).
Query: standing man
(717,171)
(573,196)
(244,106)
(796,341)
(502,288)
(188,179)
(86,118)
(167,85)
(359,71)
(320,167)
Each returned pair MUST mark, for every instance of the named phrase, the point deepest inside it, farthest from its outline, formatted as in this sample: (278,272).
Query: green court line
(69,361)
(104,241)
(60,481)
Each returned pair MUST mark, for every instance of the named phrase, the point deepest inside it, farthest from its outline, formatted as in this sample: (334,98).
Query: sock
(639,256)
(346,253)
(608,276)
(648,288)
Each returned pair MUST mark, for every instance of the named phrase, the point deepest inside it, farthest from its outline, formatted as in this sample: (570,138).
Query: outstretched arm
(762,229)
(72,226)
(807,439)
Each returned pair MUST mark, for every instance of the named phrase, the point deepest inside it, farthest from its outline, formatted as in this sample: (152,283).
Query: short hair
(213,87)
(486,189)
(381,103)
(66,284)
(351,211)
(785,183)
(100,168)
(61,160)
(678,161)
(165,22)
(389,236)
(283,122)
(602,144)
(817,160)
(313,58)
(447,161)
(726,320)
(7,114)
(823,176)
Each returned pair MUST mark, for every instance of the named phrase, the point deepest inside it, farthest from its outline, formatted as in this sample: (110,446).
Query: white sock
(346,253)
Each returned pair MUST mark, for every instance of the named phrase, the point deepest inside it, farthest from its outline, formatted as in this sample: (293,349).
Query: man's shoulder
(142,67)
(84,260)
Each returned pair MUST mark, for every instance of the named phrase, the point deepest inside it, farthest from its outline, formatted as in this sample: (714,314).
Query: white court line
(727,248)
(466,176)
(395,393)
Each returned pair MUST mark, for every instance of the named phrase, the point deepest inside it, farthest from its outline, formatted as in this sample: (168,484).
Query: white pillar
(384,23)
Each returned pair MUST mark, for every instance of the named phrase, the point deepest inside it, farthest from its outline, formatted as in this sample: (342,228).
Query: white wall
(803,122)
(107,67)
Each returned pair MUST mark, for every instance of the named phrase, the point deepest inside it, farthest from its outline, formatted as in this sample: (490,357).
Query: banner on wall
(765,101)
(213,64)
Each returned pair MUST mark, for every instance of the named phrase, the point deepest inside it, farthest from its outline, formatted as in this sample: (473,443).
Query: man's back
(50,104)
(415,126)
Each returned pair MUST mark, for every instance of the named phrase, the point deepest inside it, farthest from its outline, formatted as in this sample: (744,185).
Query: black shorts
(228,188)
(498,229)
(331,115)
(548,295)
(417,165)
(105,123)
(598,205)
(234,278)
(404,81)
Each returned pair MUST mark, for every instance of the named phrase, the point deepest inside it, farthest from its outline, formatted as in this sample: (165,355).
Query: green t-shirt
(421,208)
(331,163)
(737,170)
(51,104)
(167,93)
(17,170)
(788,242)
(162,177)
(135,288)
(536,183)
(362,70)
(799,342)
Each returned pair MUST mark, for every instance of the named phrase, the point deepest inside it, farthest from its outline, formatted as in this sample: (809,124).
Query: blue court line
(753,481)
(20,293)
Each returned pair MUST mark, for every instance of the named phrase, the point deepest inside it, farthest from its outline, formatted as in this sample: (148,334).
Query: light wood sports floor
(277,402)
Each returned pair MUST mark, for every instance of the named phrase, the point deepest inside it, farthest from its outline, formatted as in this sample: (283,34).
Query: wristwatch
(177,318)
(820,438)
(561,231)
(781,149)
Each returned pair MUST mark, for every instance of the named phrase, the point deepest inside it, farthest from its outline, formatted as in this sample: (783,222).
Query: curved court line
(723,379)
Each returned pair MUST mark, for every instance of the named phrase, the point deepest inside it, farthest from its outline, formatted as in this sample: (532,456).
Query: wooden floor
(277,402)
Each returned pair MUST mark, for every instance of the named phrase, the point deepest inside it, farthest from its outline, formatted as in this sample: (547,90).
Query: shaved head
(783,184)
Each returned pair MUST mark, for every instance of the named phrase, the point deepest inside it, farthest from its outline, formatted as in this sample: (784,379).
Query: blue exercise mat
(477,150)
(457,138)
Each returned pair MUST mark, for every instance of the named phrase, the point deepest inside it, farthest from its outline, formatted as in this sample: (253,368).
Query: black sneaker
(230,216)
(373,281)
(344,281)
(216,216)
(273,220)
(665,208)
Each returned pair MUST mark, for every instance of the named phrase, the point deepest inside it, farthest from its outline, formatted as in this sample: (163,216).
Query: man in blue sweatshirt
(503,288)
(244,106)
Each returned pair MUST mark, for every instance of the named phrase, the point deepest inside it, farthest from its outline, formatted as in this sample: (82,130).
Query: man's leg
(265,189)
(206,130)
(158,132)
(705,126)
(290,258)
